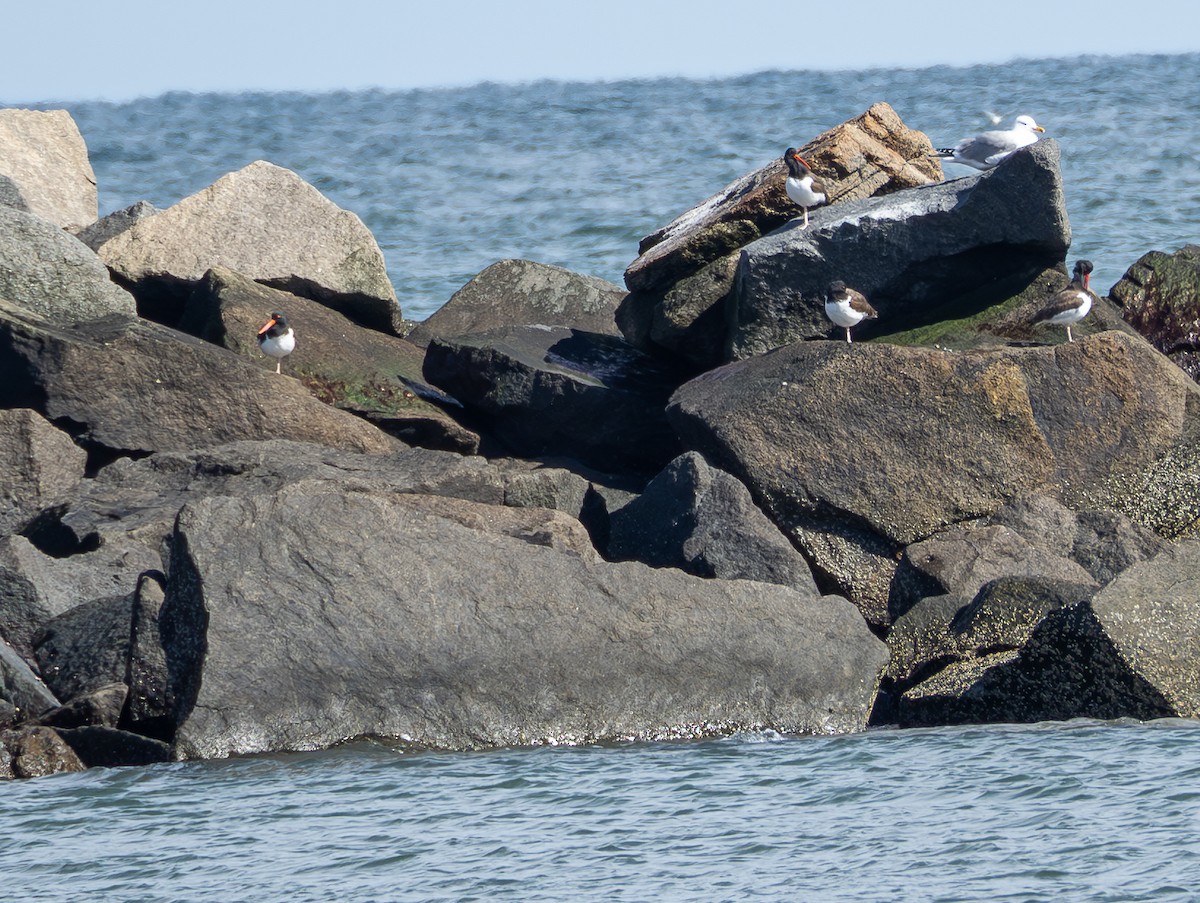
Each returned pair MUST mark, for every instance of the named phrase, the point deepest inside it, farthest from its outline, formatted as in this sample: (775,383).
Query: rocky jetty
(559,511)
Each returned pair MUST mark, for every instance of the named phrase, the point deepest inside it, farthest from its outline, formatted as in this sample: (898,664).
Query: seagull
(1073,303)
(802,186)
(846,307)
(276,339)
(986,150)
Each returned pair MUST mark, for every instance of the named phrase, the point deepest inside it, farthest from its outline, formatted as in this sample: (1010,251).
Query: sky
(122,49)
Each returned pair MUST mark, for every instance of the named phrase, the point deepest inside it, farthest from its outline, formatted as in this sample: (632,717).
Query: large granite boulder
(524,293)
(557,391)
(898,443)
(269,224)
(681,282)
(703,521)
(49,272)
(39,467)
(46,158)
(367,372)
(1160,297)
(128,384)
(936,252)
(390,621)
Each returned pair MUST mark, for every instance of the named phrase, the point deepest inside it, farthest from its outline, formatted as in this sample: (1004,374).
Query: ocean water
(1052,812)
(575,174)
(450,181)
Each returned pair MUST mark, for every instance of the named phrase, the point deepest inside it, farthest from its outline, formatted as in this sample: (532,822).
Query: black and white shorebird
(987,149)
(1073,303)
(802,184)
(846,307)
(276,339)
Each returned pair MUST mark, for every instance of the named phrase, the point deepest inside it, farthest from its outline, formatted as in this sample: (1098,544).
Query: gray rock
(385,620)
(962,559)
(99,707)
(524,293)
(150,709)
(39,467)
(36,587)
(553,390)
(1151,615)
(1131,650)
(266,223)
(912,253)
(132,497)
(10,195)
(114,224)
(48,272)
(133,385)
(945,654)
(939,438)
(1104,543)
(703,521)
(101,746)
(87,648)
(43,153)
(23,689)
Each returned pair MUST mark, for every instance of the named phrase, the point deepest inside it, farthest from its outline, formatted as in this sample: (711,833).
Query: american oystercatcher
(802,185)
(1073,303)
(846,307)
(276,339)
(986,150)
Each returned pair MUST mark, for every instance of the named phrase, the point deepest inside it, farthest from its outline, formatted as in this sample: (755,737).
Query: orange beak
(268,325)
(1038,128)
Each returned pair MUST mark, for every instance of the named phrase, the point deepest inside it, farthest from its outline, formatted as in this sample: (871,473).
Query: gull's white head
(1026,122)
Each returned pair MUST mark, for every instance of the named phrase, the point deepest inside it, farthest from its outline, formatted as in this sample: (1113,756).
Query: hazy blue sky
(73,50)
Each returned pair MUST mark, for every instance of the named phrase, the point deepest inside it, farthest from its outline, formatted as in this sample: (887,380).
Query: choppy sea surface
(1063,812)
(575,174)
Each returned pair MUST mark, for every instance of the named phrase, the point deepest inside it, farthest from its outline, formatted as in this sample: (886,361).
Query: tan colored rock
(46,158)
(872,154)
(267,223)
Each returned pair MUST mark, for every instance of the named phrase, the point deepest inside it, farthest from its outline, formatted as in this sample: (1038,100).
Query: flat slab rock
(558,391)
(386,620)
(134,385)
